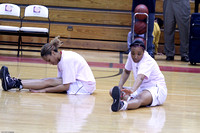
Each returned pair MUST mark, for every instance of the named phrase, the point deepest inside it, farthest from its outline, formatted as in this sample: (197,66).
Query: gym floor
(25,112)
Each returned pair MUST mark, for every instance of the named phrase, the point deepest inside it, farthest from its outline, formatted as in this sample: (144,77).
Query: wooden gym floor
(25,112)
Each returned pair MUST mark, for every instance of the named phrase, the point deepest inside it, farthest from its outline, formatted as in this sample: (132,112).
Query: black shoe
(7,81)
(170,58)
(116,99)
(185,59)
(1,75)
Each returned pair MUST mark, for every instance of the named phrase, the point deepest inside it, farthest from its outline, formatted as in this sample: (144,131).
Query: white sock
(124,106)
(20,87)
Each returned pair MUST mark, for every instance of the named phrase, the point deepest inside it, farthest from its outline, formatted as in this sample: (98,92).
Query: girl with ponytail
(74,74)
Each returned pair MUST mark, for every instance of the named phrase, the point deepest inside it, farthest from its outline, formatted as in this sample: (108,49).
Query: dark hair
(160,22)
(138,42)
(52,46)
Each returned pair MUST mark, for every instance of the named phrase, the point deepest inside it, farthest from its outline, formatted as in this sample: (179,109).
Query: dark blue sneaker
(1,75)
(7,81)
(116,106)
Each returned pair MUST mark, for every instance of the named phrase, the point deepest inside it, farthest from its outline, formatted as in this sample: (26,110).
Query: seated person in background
(129,40)
(158,23)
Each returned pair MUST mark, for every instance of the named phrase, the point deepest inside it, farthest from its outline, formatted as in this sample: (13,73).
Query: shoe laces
(17,83)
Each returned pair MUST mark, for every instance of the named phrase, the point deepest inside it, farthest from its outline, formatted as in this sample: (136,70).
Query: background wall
(86,24)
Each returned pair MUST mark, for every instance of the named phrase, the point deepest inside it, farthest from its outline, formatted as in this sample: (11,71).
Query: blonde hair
(52,46)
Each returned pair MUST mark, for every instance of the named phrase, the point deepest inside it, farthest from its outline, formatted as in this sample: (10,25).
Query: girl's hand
(127,91)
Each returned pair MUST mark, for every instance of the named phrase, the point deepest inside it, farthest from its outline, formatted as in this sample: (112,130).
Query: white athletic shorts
(158,92)
(81,87)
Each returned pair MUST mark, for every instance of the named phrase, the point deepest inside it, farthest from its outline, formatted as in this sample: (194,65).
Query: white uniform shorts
(81,87)
(158,92)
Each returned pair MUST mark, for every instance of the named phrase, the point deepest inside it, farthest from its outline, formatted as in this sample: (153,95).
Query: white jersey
(148,67)
(73,67)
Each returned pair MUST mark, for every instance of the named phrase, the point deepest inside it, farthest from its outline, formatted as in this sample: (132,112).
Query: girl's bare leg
(143,99)
(37,84)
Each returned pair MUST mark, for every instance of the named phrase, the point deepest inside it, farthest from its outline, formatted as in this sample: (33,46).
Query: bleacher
(86,24)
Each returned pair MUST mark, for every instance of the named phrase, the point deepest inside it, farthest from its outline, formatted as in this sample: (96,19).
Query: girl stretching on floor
(149,88)
(74,74)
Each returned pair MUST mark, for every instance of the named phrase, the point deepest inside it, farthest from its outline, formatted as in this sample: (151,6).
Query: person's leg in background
(169,29)
(150,45)
(182,15)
